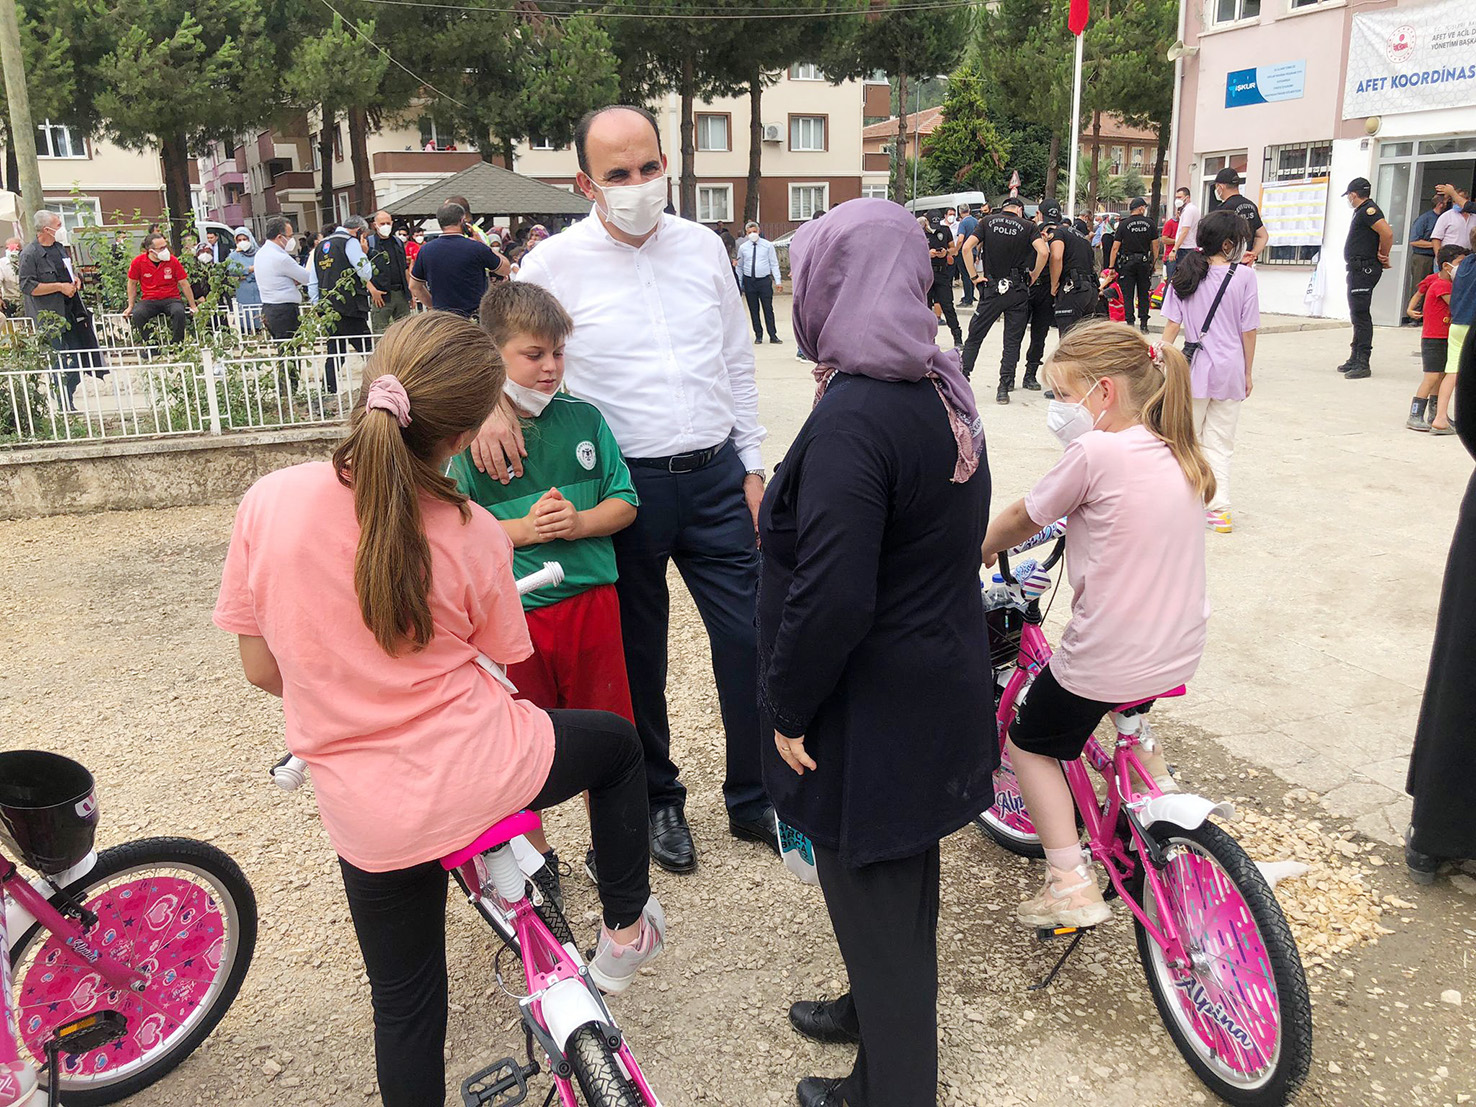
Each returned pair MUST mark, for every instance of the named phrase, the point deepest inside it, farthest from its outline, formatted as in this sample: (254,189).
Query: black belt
(679,463)
(1363,261)
(1134,257)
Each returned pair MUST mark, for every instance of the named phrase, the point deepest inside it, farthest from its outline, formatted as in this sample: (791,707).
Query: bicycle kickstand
(1045,934)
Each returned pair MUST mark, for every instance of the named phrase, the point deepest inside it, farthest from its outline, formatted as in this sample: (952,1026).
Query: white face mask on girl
(525,399)
(635,209)
(1068,422)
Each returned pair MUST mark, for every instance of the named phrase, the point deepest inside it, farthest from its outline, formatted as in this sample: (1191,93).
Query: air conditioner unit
(773,132)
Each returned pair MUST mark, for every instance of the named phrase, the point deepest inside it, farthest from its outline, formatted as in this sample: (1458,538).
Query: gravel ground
(111,658)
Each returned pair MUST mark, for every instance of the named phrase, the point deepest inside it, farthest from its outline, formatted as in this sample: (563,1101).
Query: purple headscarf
(861,279)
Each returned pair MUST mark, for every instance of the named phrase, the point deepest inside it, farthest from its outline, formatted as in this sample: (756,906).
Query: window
(1212,164)
(57,140)
(543,142)
(807,132)
(342,204)
(806,199)
(712,132)
(1296,4)
(873,192)
(1115,161)
(1138,158)
(317,158)
(82,211)
(1298,161)
(338,142)
(1232,11)
(805,71)
(714,203)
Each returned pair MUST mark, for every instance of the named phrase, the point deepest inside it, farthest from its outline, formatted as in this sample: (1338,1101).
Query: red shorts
(578,657)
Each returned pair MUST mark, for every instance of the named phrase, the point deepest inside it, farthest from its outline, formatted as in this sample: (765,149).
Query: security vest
(332,263)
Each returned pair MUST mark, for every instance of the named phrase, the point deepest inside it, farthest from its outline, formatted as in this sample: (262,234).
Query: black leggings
(400,916)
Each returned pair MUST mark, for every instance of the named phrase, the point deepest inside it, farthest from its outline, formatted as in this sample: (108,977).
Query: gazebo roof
(492,190)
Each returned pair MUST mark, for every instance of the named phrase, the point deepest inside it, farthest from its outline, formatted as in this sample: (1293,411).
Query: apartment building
(813,156)
(87,180)
(1123,147)
(1301,96)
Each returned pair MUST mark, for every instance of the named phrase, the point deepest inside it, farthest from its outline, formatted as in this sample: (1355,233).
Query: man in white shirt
(280,278)
(660,346)
(1456,224)
(758,269)
(1188,223)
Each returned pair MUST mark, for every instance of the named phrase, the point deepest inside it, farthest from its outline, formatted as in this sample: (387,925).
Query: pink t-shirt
(413,756)
(1135,556)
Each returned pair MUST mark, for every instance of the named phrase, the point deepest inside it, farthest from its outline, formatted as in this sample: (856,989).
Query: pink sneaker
(614,966)
(1218,521)
(1069,898)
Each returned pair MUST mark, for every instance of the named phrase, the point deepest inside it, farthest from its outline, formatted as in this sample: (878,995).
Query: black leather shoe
(1002,396)
(671,840)
(1030,383)
(757,830)
(1422,867)
(817,1091)
(816,1020)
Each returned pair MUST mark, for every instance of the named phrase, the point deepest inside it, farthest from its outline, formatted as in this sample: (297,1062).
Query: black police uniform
(941,293)
(1361,252)
(1135,238)
(348,297)
(1009,256)
(1077,294)
(1245,207)
(1042,305)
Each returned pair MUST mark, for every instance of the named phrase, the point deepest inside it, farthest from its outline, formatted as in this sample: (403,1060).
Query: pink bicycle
(1216,949)
(564,1015)
(124,961)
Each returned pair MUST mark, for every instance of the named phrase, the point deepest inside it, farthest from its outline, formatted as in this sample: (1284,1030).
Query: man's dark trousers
(349,331)
(760,290)
(942,294)
(282,320)
(146,311)
(1135,277)
(701,521)
(966,296)
(1042,315)
(1363,277)
(1014,305)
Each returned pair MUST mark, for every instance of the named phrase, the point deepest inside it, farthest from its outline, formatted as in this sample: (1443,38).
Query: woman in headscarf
(242,265)
(536,235)
(873,663)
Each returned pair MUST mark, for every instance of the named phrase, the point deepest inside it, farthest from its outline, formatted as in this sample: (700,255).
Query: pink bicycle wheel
(1007,822)
(181,913)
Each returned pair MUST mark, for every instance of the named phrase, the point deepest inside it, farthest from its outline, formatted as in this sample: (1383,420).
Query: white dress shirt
(758,259)
(279,275)
(1188,234)
(1454,228)
(661,342)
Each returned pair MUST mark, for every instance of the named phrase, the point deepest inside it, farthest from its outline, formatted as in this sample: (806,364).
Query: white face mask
(12,252)
(753,236)
(528,400)
(1178,204)
(382,229)
(948,219)
(1068,422)
(402,236)
(636,209)
(161,254)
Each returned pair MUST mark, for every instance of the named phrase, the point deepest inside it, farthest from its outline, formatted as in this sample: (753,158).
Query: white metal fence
(137,391)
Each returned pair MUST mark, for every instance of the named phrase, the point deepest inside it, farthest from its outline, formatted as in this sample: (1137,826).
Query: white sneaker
(1070,898)
(614,966)
(1150,754)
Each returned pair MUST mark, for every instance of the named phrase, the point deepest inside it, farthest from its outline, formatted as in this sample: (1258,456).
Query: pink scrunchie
(386,393)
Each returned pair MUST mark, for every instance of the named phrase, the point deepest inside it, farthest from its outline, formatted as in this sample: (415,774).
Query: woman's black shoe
(816,1020)
(1422,867)
(817,1091)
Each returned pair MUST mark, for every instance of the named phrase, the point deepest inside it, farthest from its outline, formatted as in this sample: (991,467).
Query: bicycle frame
(561,996)
(1106,844)
(26,904)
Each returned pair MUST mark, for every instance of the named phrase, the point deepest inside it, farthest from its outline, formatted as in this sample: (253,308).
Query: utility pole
(22,130)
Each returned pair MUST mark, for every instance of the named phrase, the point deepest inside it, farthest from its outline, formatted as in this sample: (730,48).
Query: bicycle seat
(495,835)
(1123,708)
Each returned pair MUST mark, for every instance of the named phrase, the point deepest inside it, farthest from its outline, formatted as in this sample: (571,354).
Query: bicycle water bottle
(996,595)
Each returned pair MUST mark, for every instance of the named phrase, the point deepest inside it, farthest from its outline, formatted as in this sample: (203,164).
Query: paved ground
(1325,599)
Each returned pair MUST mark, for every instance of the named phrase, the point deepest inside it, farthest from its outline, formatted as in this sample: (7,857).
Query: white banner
(1416,58)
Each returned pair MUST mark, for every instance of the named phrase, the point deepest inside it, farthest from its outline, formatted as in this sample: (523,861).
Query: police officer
(1367,255)
(1227,191)
(1042,302)
(1134,257)
(1073,273)
(1013,255)
(941,249)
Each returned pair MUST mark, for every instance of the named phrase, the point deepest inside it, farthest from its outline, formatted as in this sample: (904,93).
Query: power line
(419,79)
(606,13)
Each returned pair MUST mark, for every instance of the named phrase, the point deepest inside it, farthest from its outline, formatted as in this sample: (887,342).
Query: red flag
(1077,20)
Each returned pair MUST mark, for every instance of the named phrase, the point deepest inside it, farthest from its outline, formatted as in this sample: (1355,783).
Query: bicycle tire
(230,899)
(552,917)
(1262,921)
(597,1070)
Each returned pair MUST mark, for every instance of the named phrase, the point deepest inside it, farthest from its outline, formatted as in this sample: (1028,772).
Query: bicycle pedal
(502,1084)
(1046,933)
(89,1032)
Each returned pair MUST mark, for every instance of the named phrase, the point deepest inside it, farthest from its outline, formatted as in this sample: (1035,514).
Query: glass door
(1392,189)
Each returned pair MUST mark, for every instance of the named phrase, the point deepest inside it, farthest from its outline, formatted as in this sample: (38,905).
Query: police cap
(1228,176)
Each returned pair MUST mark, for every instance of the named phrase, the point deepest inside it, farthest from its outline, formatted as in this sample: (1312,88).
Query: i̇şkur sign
(1412,59)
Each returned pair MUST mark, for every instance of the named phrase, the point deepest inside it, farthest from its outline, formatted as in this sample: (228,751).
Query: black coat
(1442,768)
(871,638)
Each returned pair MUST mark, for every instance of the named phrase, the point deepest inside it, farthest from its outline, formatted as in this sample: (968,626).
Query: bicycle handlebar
(289,773)
(1056,530)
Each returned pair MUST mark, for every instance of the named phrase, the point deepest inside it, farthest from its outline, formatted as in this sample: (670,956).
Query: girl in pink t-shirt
(1132,484)
(369,595)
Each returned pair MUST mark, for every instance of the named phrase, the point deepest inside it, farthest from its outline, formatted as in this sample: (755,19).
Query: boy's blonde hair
(511,308)
(1157,392)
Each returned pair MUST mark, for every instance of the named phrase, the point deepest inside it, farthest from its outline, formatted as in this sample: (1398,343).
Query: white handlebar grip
(289,774)
(551,574)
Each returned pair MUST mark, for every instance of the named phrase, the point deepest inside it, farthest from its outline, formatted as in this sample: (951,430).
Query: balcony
(876,163)
(298,178)
(424,161)
(233,215)
(230,177)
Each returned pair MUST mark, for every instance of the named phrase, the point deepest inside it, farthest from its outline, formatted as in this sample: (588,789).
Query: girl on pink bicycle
(1133,485)
(369,594)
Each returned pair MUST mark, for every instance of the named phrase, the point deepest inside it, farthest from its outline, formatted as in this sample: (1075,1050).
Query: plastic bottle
(996,595)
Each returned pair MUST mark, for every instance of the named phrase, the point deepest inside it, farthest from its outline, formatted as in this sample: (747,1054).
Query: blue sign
(1265,84)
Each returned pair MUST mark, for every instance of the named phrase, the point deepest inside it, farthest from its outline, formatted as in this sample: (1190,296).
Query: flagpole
(1075,131)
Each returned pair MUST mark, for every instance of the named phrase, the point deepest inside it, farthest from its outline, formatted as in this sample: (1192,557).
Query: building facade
(813,155)
(1301,96)
(92,181)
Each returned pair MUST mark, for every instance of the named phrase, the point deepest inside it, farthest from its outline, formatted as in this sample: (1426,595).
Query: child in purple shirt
(1220,354)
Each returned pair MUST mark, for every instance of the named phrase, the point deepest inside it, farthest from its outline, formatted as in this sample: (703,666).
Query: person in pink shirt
(1132,485)
(374,599)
